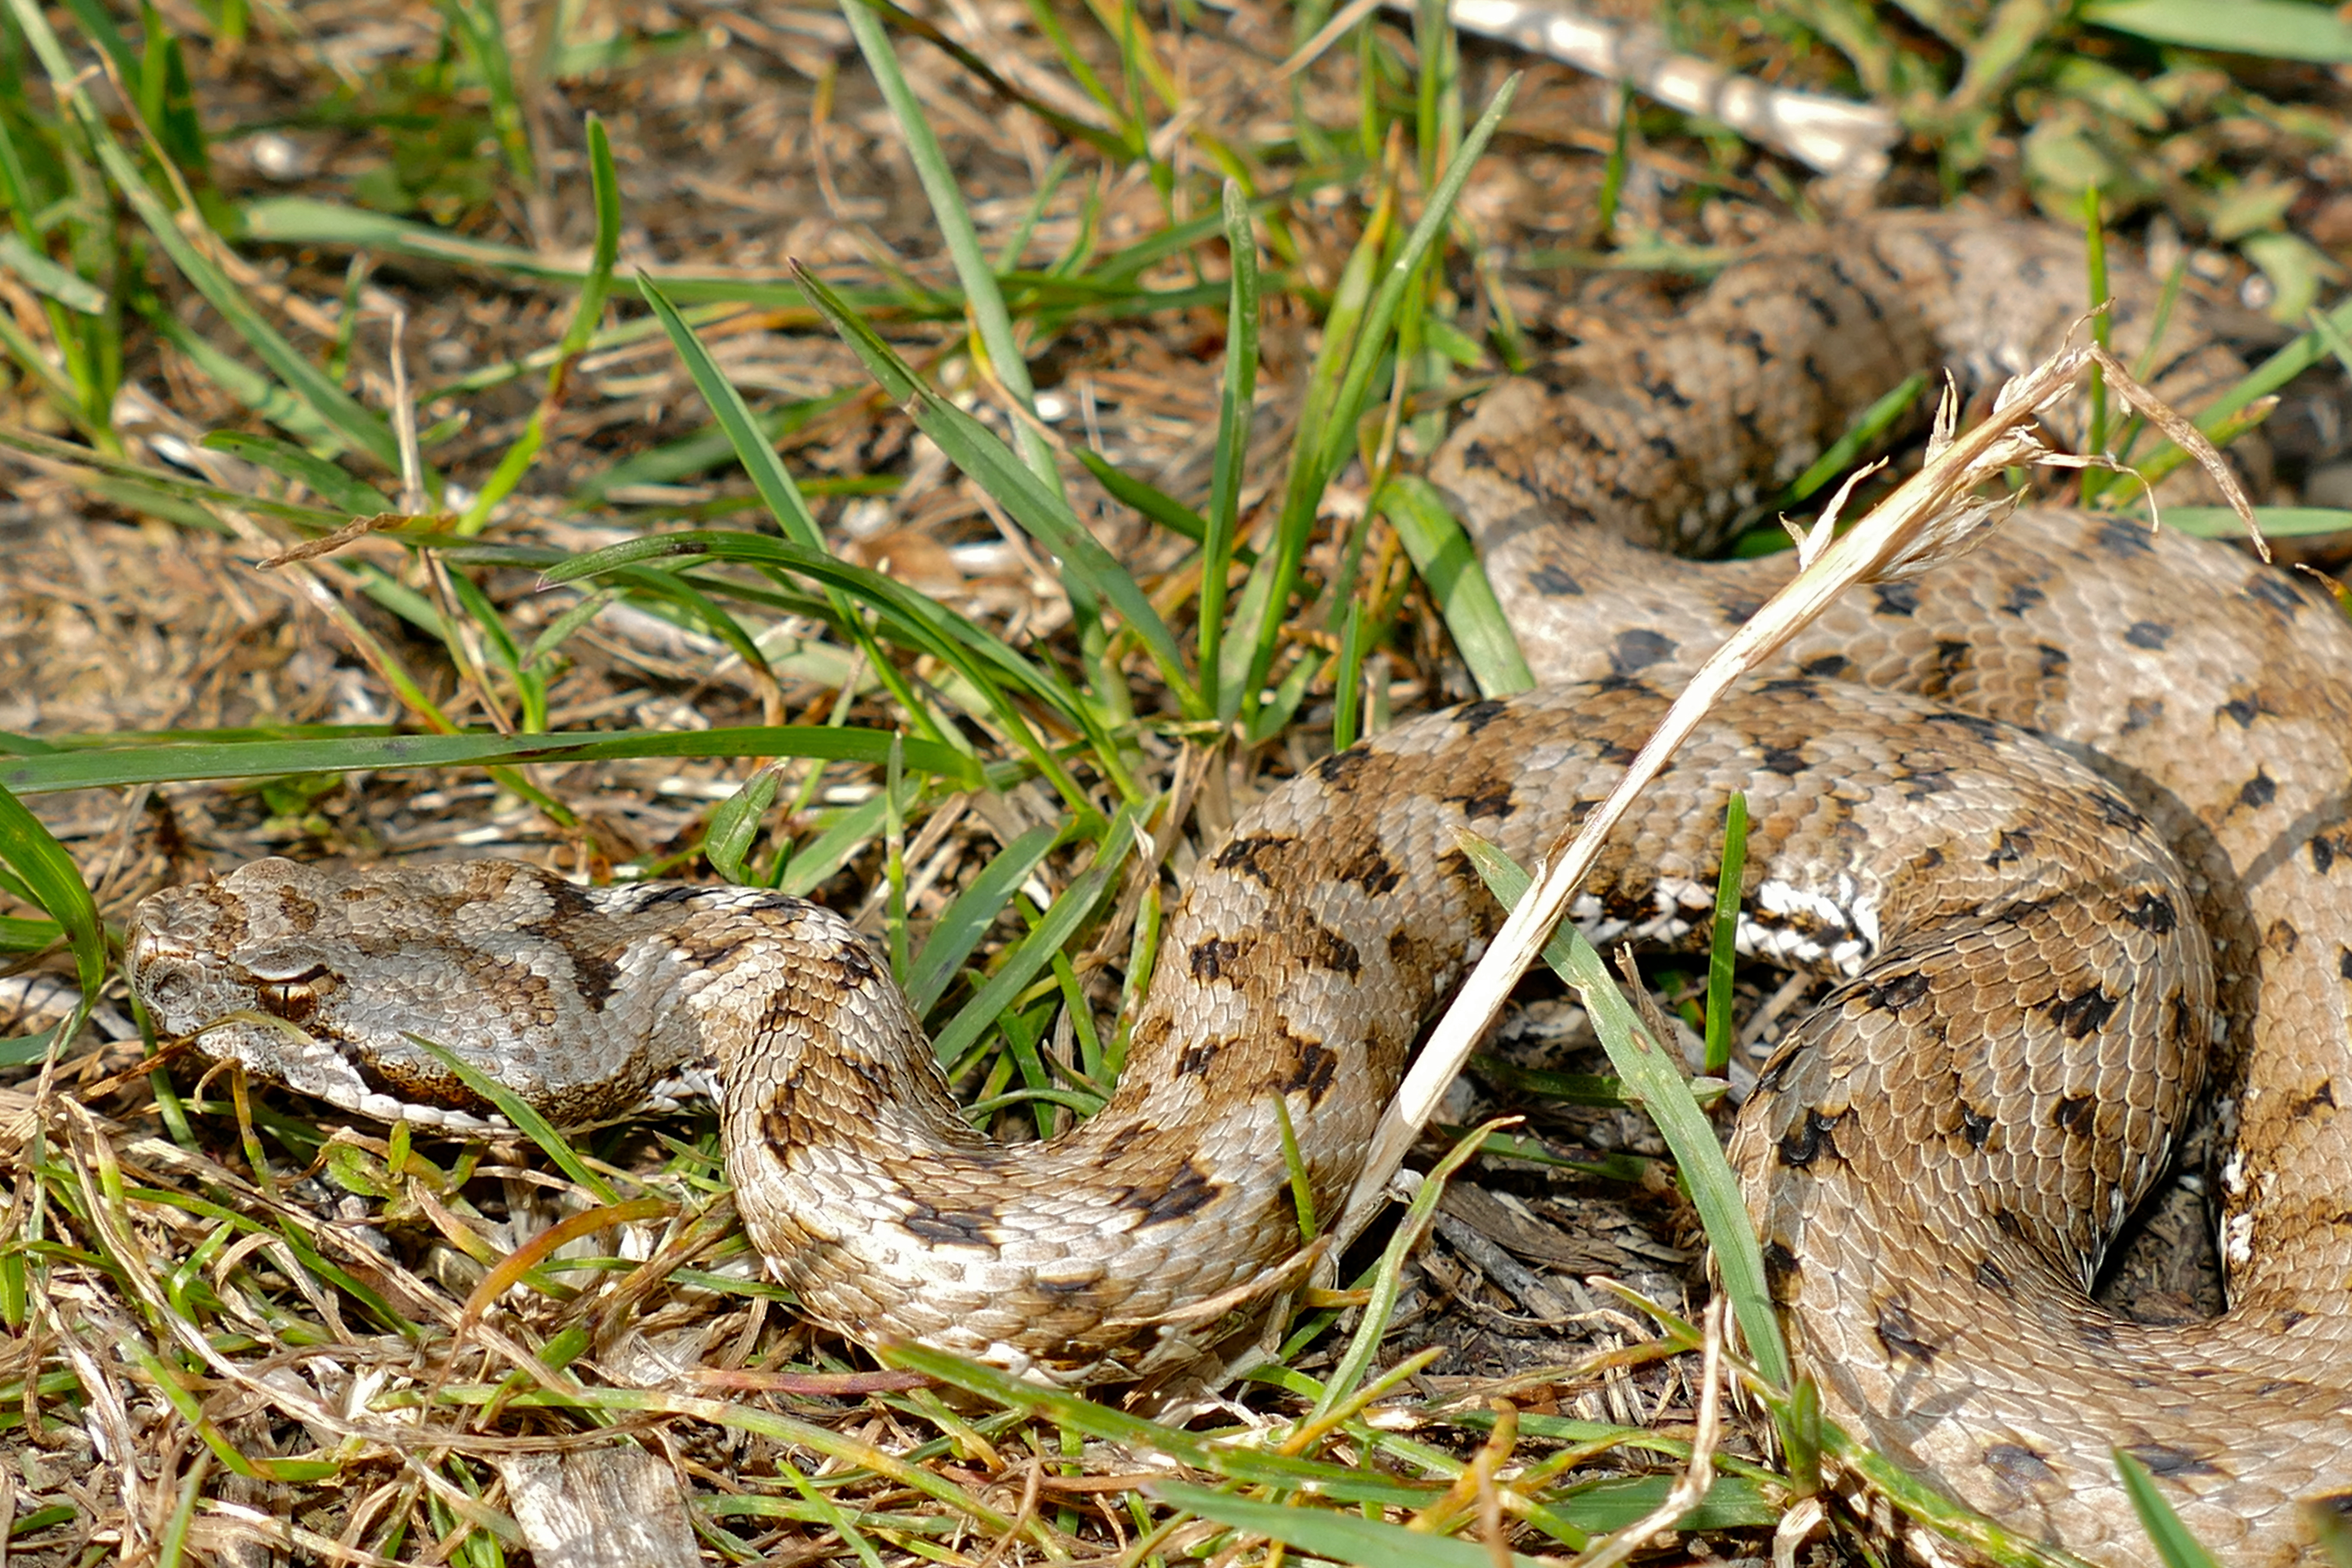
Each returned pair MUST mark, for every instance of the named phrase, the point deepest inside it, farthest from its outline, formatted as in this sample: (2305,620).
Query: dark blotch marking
(1459,871)
(1953,657)
(1638,649)
(705,949)
(1901,1335)
(2078,1016)
(1554,583)
(2055,660)
(952,1227)
(1829,666)
(2320,1098)
(856,965)
(2171,1460)
(1983,729)
(1150,1034)
(2023,596)
(2122,539)
(1316,1069)
(1189,1194)
(2276,591)
(1900,992)
(1339,769)
(2149,634)
(655,896)
(2075,1114)
(1494,800)
(1896,599)
(298,909)
(2241,710)
(2257,792)
(1975,1126)
(1196,1059)
(2153,912)
(1214,958)
(1241,855)
(2014,845)
(1783,761)
(2324,849)
(1371,871)
(2017,1463)
(1327,949)
(2344,961)
(1475,716)
(1813,1137)
(2117,812)
(1989,1276)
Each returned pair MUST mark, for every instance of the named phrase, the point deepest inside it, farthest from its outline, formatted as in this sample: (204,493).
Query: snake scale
(2066,820)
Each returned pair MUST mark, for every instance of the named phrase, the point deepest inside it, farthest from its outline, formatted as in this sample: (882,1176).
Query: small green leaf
(735,824)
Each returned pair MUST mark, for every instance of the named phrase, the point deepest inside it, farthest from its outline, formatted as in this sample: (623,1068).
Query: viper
(2063,822)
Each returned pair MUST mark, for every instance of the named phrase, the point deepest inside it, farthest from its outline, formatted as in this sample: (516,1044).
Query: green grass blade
(345,493)
(1157,505)
(992,322)
(920,622)
(115,765)
(2276,521)
(1236,405)
(1857,437)
(1723,950)
(970,914)
(482,36)
(766,470)
(1099,1420)
(42,868)
(587,310)
(1036,950)
(1327,1533)
(2174,1545)
(166,480)
(2280,29)
(604,188)
(1442,553)
(42,275)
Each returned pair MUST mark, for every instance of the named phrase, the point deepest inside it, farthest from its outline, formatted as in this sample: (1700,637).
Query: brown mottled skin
(2093,821)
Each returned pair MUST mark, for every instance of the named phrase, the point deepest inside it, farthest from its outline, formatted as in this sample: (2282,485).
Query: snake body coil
(2090,837)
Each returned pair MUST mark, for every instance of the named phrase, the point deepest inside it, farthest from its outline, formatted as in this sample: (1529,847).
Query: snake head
(261,969)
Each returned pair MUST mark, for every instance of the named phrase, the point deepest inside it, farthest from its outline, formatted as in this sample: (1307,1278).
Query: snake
(2063,823)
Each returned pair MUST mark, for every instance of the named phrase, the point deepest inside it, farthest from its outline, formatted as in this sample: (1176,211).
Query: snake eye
(294,998)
